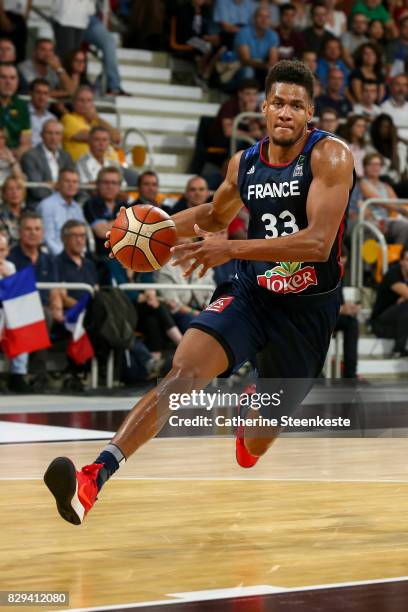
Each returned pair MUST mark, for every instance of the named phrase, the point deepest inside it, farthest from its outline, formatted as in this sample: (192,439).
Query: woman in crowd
(354,133)
(368,67)
(9,165)
(384,140)
(13,194)
(75,65)
(395,227)
(376,34)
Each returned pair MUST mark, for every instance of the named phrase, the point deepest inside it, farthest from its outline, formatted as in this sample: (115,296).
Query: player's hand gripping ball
(141,237)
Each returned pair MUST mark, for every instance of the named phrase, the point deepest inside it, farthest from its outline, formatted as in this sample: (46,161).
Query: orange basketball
(141,237)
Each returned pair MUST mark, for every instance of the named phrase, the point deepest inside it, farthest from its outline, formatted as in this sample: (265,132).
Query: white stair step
(163,160)
(164,142)
(380,367)
(164,107)
(161,90)
(153,124)
(148,73)
(374,347)
(135,55)
(160,59)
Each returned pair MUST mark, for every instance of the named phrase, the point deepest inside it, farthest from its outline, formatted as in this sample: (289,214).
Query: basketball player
(295,184)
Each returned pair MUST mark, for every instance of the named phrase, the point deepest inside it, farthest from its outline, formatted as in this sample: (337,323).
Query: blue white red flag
(79,348)
(23,323)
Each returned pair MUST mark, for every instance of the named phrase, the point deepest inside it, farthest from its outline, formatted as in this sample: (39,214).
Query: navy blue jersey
(276,196)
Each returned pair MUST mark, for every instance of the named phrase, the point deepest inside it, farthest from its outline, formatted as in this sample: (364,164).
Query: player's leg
(299,338)
(189,371)
(76,492)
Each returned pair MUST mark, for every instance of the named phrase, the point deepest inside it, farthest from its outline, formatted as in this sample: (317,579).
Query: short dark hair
(29,214)
(98,128)
(146,173)
(329,109)
(369,82)
(10,40)
(317,4)
(248,84)
(8,65)
(67,171)
(39,81)
(41,40)
(69,225)
(284,8)
(108,170)
(290,71)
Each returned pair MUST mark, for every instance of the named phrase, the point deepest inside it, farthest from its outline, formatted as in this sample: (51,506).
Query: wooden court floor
(182,517)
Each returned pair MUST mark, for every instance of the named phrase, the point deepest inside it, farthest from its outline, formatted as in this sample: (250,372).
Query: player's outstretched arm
(216,215)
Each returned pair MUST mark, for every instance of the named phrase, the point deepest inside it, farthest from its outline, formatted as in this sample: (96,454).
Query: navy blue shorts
(288,336)
(284,337)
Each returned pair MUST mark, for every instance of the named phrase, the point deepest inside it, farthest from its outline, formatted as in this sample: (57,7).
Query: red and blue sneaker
(75,492)
(243,456)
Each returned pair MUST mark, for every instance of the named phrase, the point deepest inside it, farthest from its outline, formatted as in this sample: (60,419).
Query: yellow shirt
(74,123)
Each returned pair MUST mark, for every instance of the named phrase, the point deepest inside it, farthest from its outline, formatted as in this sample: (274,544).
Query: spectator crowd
(52,135)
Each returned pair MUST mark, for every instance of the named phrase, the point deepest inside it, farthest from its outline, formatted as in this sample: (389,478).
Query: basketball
(141,238)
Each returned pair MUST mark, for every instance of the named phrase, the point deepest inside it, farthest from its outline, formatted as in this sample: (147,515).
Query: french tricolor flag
(79,348)
(23,324)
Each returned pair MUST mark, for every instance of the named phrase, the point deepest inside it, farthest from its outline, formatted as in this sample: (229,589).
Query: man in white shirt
(38,107)
(367,107)
(397,106)
(44,162)
(91,163)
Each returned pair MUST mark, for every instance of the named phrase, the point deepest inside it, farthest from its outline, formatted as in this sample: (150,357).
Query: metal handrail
(81,186)
(125,286)
(375,201)
(143,136)
(390,203)
(92,186)
(164,287)
(235,124)
(68,286)
(356,246)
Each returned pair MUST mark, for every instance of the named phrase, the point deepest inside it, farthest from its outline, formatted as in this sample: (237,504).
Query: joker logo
(288,277)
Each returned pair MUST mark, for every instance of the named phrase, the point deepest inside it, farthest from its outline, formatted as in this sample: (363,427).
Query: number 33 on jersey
(276,196)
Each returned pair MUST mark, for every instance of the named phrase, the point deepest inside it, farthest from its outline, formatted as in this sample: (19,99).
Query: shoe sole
(61,480)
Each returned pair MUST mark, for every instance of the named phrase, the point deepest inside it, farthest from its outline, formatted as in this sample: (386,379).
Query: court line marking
(232,479)
(182,598)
